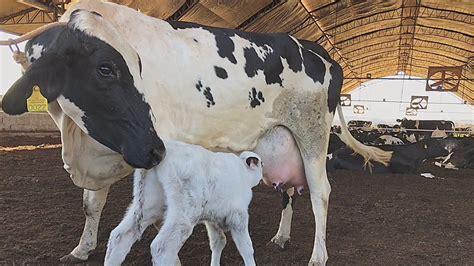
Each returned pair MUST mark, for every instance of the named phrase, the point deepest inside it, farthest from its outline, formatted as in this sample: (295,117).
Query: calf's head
(94,75)
(254,162)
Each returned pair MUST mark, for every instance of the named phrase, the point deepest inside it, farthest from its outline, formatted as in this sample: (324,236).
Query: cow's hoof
(69,258)
(315,263)
(280,241)
(318,261)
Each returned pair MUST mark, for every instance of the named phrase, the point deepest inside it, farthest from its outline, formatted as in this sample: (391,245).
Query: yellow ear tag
(37,102)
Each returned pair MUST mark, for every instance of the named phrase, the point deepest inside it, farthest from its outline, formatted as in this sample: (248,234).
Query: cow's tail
(369,153)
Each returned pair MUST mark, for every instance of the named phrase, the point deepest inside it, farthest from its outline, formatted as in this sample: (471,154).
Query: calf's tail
(369,153)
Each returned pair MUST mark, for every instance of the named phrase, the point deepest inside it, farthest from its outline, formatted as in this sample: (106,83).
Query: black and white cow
(405,158)
(426,124)
(117,81)
(461,154)
(411,126)
(359,124)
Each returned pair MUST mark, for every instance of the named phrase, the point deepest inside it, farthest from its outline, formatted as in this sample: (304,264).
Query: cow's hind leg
(319,188)
(93,203)
(283,234)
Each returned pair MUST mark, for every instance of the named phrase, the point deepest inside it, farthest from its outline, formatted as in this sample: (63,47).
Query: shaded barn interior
(370,39)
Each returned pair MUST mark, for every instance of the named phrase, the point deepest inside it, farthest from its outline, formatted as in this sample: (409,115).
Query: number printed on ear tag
(37,102)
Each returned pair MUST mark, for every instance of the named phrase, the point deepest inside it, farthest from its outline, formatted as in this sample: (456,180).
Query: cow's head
(94,75)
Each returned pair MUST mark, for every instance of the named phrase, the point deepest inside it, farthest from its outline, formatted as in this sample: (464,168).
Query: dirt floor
(379,219)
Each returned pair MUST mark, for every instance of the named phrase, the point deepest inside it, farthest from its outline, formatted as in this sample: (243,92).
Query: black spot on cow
(95,13)
(277,46)
(313,66)
(285,199)
(225,45)
(272,66)
(207,93)
(220,72)
(293,57)
(194,39)
(199,85)
(74,13)
(315,47)
(44,40)
(335,85)
(139,64)
(256,98)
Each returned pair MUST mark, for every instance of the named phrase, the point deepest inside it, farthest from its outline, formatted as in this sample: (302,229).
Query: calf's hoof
(280,241)
(69,258)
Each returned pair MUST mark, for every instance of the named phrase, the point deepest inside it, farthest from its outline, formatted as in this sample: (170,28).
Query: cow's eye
(106,70)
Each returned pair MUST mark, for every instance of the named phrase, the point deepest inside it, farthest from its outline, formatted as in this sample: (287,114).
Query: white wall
(9,70)
(452,107)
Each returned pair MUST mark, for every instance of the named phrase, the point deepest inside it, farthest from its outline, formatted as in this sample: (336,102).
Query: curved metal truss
(370,39)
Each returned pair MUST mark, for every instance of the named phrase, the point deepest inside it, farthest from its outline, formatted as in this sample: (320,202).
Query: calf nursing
(191,185)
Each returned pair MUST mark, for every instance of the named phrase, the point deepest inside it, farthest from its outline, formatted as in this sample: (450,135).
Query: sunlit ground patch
(30,147)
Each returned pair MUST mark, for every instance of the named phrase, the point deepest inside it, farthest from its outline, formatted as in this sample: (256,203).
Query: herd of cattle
(412,142)
(119,95)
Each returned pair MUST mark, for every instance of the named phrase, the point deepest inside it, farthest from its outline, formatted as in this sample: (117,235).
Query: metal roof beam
(392,14)
(328,38)
(29,16)
(407,32)
(454,51)
(437,61)
(182,10)
(392,49)
(389,31)
(262,12)
(432,12)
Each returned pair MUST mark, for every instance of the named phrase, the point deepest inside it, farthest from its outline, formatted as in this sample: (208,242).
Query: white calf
(191,185)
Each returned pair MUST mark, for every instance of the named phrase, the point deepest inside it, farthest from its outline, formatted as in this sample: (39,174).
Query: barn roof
(370,39)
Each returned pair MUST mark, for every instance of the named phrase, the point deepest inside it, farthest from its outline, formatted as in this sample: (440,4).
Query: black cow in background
(461,154)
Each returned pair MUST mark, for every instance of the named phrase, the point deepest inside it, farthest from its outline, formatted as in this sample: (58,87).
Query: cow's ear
(48,73)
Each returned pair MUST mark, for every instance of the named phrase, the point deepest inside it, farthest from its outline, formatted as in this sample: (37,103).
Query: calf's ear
(47,73)
(252,162)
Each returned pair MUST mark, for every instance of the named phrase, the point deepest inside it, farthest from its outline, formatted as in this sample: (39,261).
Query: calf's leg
(93,203)
(146,209)
(217,241)
(173,233)
(239,228)
(283,234)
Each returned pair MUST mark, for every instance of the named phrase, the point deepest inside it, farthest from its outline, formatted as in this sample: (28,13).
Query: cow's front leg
(319,189)
(283,234)
(93,203)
